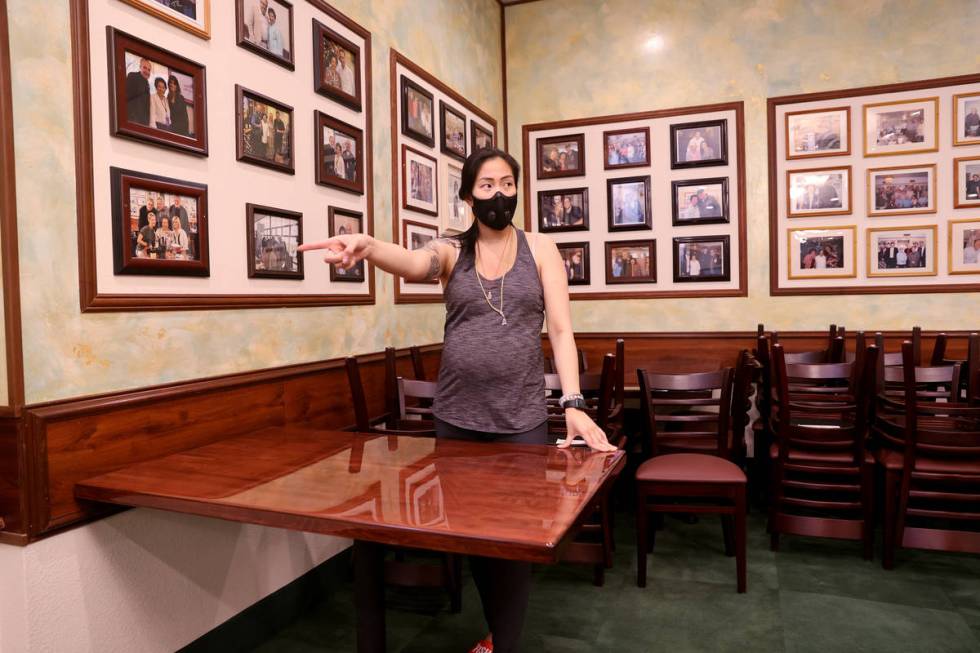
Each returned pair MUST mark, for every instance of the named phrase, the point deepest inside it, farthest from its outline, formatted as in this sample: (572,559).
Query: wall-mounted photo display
(702,258)
(263,131)
(480,138)
(964,246)
(340,153)
(966,119)
(420,181)
(563,210)
(700,201)
(966,182)
(697,144)
(626,148)
(631,261)
(822,252)
(458,215)
(273,235)
(415,235)
(818,132)
(344,222)
(156,96)
(266,28)
(418,109)
(901,190)
(452,131)
(818,191)
(561,156)
(336,67)
(575,256)
(901,127)
(902,251)
(193,16)
(159,225)
(628,203)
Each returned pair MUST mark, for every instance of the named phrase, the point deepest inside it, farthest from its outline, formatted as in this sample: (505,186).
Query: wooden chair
(418,364)
(387,423)
(415,410)
(583,364)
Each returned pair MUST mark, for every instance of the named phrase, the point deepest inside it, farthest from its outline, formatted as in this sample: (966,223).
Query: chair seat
(895,460)
(822,457)
(690,468)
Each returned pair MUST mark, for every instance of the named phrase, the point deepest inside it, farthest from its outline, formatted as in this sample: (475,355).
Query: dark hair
(173,78)
(471,168)
(159,80)
(272,11)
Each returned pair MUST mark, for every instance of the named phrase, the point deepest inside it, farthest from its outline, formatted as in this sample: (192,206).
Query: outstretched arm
(430,263)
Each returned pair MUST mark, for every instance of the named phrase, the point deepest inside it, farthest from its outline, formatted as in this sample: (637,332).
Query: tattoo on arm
(435,263)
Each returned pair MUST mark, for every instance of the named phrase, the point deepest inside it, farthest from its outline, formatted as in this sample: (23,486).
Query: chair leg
(642,534)
(888,548)
(867,499)
(726,531)
(607,535)
(740,562)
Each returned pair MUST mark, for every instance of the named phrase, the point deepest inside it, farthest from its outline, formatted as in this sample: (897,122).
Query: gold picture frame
(843,210)
(793,272)
(894,103)
(871,195)
(846,127)
(956,120)
(952,230)
(201,28)
(959,202)
(907,233)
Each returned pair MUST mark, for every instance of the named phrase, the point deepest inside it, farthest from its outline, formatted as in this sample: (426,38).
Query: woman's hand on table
(579,424)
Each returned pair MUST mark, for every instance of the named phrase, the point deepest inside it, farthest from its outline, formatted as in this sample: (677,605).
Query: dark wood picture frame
(543,194)
(122,125)
(720,160)
(444,146)
(409,85)
(356,274)
(250,215)
(726,274)
(620,132)
(124,259)
(647,222)
(578,171)
(322,121)
(650,244)
(435,181)
(241,153)
(476,128)
(406,243)
(243,42)
(677,184)
(321,33)
(586,279)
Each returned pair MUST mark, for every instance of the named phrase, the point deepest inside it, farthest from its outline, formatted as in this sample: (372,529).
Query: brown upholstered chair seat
(690,468)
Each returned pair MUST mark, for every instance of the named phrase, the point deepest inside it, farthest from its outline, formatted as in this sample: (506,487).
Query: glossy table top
(503,500)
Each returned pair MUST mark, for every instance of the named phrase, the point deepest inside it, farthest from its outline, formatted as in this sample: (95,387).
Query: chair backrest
(409,389)
(362,422)
(598,390)
(745,368)
(583,364)
(834,353)
(418,364)
(973,370)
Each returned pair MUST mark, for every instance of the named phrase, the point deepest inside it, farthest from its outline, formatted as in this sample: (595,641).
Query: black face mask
(497,211)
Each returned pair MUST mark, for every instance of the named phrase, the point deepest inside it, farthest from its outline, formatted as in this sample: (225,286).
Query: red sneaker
(485,646)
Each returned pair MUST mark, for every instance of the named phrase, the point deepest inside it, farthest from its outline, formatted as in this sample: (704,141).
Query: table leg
(369,596)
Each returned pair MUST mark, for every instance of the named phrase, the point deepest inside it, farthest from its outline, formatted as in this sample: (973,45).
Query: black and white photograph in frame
(452,129)
(273,236)
(699,201)
(697,144)
(902,190)
(420,181)
(575,256)
(628,203)
(563,210)
(343,222)
(966,182)
(418,112)
(701,258)
(266,28)
(336,67)
(193,16)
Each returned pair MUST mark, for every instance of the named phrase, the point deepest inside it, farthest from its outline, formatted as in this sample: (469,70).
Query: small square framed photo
(902,127)
(342,222)
(697,144)
(702,258)
(818,191)
(340,154)
(192,16)
(561,156)
(902,190)
(563,210)
(266,28)
(420,181)
(818,132)
(964,246)
(480,138)
(415,235)
(966,119)
(452,130)
(966,182)
(576,259)
(700,201)
(631,261)
(626,148)
(902,251)
(458,215)
(273,236)
(628,203)
(822,252)
(336,67)
(418,112)
(264,131)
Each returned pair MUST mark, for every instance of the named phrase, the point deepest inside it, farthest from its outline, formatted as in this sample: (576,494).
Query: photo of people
(265,26)
(626,149)
(421,183)
(813,133)
(266,131)
(966,119)
(699,144)
(343,222)
(565,210)
(190,15)
(162,226)
(275,239)
(629,203)
(417,112)
(337,66)
(482,138)
(902,191)
(630,262)
(819,192)
(971,248)
(901,127)
(576,259)
(821,253)
(159,97)
(415,235)
(457,215)
(967,173)
(453,131)
(901,252)
(339,153)
(700,201)
(703,258)
(561,156)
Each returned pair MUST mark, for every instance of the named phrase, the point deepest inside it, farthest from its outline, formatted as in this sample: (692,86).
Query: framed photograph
(902,251)
(702,258)
(966,119)
(263,131)
(631,261)
(561,156)
(818,191)
(818,132)
(697,144)
(453,131)
(420,181)
(902,127)
(626,148)
(266,28)
(964,246)
(480,138)
(273,236)
(700,201)
(340,154)
(417,112)
(458,214)
(822,252)
(336,67)
(563,210)
(628,203)
(966,182)
(415,235)
(341,222)
(901,190)
(193,16)
(156,96)
(576,259)
(159,225)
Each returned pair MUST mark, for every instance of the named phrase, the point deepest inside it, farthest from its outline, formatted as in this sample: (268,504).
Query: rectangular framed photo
(159,225)
(561,156)
(273,236)
(458,215)
(336,67)
(156,96)
(263,131)
(966,119)
(193,16)
(964,246)
(480,138)
(818,191)
(631,261)
(702,258)
(822,252)
(452,131)
(626,148)
(901,127)
(697,144)
(700,201)
(902,190)
(418,110)
(339,154)
(575,256)
(818,132)
(342,222)
(628,203)
(966,182)
(563,210)
(420,181)
(266,28)
(902,251)
(415,235)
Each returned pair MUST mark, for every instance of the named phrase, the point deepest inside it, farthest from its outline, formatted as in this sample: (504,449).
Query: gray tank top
(491,377)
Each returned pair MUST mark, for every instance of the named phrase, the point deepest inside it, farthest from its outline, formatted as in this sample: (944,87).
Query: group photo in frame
(575,257)
(631,261)
(420,181)
(818,192)
(263,131)
(966,119)
(273,236)
(902,190)
(192,16)
(480,138)
(901,127)
(561,156)
(336,67)
(964,246)
(818,132)
(902,251)
(966,182)
(702,258)
(340,153)
(697,144)
(265,27)
(626,148)
(699,201)
(342,222)
(822,252)
(452,131)
(418,112)
(563,210)
(628,204)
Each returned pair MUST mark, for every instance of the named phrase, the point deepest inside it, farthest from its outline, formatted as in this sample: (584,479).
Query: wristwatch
(572,401)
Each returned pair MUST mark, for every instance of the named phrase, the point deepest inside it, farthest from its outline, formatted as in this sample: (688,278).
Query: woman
(178,108)
(165,237)
(491,381)
(267,139)
(694,147)
(693,265)
(159,109)
(180,239)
